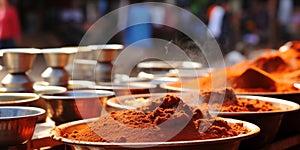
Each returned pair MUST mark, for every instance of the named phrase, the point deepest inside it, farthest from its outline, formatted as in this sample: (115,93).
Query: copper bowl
(17,124)
(219,143)
(41,103)
(75,105)
(268,121)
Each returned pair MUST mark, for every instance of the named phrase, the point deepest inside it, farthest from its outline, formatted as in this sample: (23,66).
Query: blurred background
(241,25)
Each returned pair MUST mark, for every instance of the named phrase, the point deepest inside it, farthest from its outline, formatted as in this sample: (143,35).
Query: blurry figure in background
(249,31)
(255,22)
(10,32)
(249,23)
(295,21)
(72,19)
(102,7)
(285,10)
(135,33)
(219,23)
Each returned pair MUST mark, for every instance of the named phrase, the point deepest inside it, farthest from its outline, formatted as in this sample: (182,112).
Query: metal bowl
(41,103)
(72,84)
(19,60)
(108,52)
(17,124)
(75,105)
(80,84)
(58,57)
(17,99)
(182,69)
(219,143)
(41,89)
(268,121)
(290,122)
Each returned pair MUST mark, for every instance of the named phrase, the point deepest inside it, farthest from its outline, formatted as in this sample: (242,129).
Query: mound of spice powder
(166,119)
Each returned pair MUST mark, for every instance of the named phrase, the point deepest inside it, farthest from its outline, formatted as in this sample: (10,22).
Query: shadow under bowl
(17,124)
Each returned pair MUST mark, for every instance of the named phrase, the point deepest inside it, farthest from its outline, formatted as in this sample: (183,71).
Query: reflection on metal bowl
(75,105)
(17,99)
(17,124)
(220,143)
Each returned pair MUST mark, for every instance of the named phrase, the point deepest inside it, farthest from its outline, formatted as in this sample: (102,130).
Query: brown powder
(171,120)
(270,72)
(233,104)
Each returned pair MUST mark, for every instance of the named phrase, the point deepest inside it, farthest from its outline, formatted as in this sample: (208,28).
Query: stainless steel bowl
(58,57)
(75,105)
(220,143)
(108,52)
(17,99)
(269,121)
(17,124)
(290,123)
(19,60)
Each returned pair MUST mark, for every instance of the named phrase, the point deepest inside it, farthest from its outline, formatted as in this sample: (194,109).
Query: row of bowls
(67,106)
(18,118)
(269,122)
(80,100)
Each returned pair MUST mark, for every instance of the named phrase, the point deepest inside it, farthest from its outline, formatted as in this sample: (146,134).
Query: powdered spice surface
(232,103)
(167,119)
(271,72)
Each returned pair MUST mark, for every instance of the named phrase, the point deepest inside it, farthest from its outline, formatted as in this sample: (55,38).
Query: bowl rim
(79,48)
(292,106)
(169,64)
(94,94)
(21,50)
(33,97)
(110,102)
(124,86)
(39,112)
(61,50)
(254,130)
(167,86)
(106,47)
(39,89)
